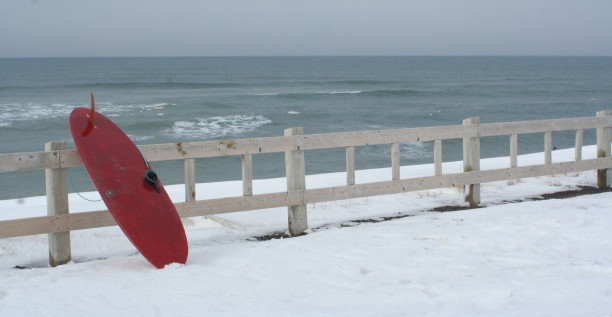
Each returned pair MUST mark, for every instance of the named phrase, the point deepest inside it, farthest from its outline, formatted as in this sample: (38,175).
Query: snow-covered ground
(530,258)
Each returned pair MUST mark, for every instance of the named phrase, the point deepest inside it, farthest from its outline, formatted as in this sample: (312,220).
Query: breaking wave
(216,127)
(10,113)
(16,112)
(379,93)
(410,151)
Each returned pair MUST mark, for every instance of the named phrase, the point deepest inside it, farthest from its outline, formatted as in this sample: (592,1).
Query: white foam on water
(413,150)
(158,106)
(341,92)
(139,138)
(332,92)
(267,94)
(17,112)
(110,109)
(416,150)
(10,113)
(293,112)
(214,127)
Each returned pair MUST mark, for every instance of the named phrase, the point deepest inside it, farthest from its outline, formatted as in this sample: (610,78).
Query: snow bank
(538,258)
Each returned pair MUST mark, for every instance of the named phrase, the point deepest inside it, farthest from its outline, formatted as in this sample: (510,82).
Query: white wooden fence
(56,159)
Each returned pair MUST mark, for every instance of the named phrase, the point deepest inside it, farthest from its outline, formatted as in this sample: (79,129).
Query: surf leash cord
(76,191)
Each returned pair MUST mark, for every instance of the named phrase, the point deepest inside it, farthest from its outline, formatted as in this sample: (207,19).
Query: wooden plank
(161,152)
(535,170)
(70,158)
(240,203)
(541,126)
(29,226)
(190,182)
(295,170)
(173,151)
(247,175)
(362,138)
(395,161)
(58,223)
(56,184)
(27,161)
(438,157)
(102,218)
(350,165)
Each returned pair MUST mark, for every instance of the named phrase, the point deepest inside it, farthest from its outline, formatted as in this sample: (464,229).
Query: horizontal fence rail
(56,160)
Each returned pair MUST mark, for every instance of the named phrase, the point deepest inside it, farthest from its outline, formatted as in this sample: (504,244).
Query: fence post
(295,170)
(57,204)
(247,175)
(350,165)
(604,137)
(548,147)
(514,150)
(578,147)
(395,161)
(471,162)
(438,157)
(190,190)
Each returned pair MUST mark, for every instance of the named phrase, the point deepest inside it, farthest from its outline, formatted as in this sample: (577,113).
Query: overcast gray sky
(50,28)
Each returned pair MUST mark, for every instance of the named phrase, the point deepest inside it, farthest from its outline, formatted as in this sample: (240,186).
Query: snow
(527,258)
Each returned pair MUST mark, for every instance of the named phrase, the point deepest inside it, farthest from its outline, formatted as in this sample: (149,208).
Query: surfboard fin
(92,112)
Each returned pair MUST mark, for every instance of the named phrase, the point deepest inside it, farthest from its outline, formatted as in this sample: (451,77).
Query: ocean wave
(215,127)
(299,95)
(374,93)
(395,92)
(357,82)
(17,112)
(267,94)
(140,138)
(111,109)
(350,92)
(303,94)
(10,113)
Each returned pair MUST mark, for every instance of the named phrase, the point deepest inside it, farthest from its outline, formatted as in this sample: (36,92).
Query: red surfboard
(130,189)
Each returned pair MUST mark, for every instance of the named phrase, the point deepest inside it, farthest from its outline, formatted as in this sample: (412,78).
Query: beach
(325,158)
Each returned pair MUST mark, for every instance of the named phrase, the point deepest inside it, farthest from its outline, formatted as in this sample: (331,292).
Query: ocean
(179,99)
